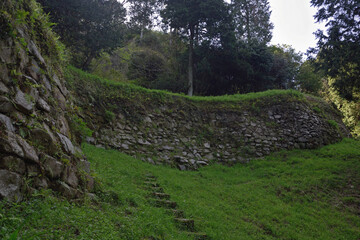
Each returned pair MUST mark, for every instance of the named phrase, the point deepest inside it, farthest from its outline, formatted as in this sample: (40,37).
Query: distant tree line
(206,47)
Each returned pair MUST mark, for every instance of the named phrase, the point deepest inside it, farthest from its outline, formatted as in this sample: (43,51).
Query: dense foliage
(207,47)
(193,19)
(252,20)
(337,58)
(142,14)
(338,49)
(87,27)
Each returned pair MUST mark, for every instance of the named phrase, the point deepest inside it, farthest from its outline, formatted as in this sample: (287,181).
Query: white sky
(294,23)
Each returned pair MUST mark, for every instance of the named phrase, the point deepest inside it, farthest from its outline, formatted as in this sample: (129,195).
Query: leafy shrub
(80,127)
(109,116)
(333,124)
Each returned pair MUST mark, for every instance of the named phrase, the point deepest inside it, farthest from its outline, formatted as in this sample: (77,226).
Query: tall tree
(87,27)
(338,50)
(193,17)
(285,66)
(142,13)
(252,20)
(308,79)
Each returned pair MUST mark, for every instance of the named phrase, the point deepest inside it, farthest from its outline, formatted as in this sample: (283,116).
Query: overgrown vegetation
(76,77)
(15,15)
(301,194)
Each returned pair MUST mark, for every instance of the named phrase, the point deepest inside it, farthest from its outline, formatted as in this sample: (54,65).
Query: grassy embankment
(301,194)
(112,89)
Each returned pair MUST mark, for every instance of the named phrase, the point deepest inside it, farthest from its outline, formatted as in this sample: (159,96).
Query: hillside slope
(299,194)
(188,133)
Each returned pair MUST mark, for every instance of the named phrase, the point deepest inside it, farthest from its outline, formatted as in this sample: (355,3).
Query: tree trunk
(87,62)
(141,32)
(191,62)
(247,13)
(196,35)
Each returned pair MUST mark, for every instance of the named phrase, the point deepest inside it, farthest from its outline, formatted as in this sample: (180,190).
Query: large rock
(59,98)
(66,190)
(10,186)
(4,76)
(34,69)
(84,165)
(8,144)
(62,88)
(35,51)
(66,143)
(23,104)
(29,151)
(70,177)
(63,126)
(46,83)
(45,139)
(3,88)
(6,54)
(53,168)
(6,121)
(6,105)
(13,164)
(43,105)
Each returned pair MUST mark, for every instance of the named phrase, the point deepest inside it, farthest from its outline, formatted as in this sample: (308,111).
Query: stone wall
(36,150)
(189,134)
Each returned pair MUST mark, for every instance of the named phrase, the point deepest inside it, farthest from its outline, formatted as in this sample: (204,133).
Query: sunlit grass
(76,75)
(300,194)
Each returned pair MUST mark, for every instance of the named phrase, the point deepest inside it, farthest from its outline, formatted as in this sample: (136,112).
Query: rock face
(189,134)
(10,185)
(36,141)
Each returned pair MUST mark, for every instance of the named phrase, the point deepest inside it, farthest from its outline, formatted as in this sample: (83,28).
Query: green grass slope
(313,194)
(84,79)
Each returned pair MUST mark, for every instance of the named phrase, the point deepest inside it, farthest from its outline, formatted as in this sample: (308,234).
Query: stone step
(164,203)
(160,195)
(157,189)
(151,177)
(177,213)
(151,184)
(185,224)
(198,236)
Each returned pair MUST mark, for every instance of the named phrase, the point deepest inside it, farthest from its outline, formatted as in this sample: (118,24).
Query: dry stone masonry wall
(196,138)
(36,150)
(188,134)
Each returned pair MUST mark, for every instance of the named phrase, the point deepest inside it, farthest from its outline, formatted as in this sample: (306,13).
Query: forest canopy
(207,47)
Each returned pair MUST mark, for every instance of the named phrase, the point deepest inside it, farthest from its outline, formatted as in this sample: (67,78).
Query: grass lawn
(301,194)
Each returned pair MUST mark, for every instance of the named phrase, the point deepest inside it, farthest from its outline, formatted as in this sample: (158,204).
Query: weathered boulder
(53,168)
(10,186)
(60,99)
(6,105)
(13,164)
(66,190)
(35,51)
(66,143)
(45,138)
(70,177)
(43,105)
(9,144)
(3,88)
(6,122)
(29,151)
(23,103)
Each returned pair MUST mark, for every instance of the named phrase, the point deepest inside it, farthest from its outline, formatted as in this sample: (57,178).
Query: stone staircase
(158,198)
